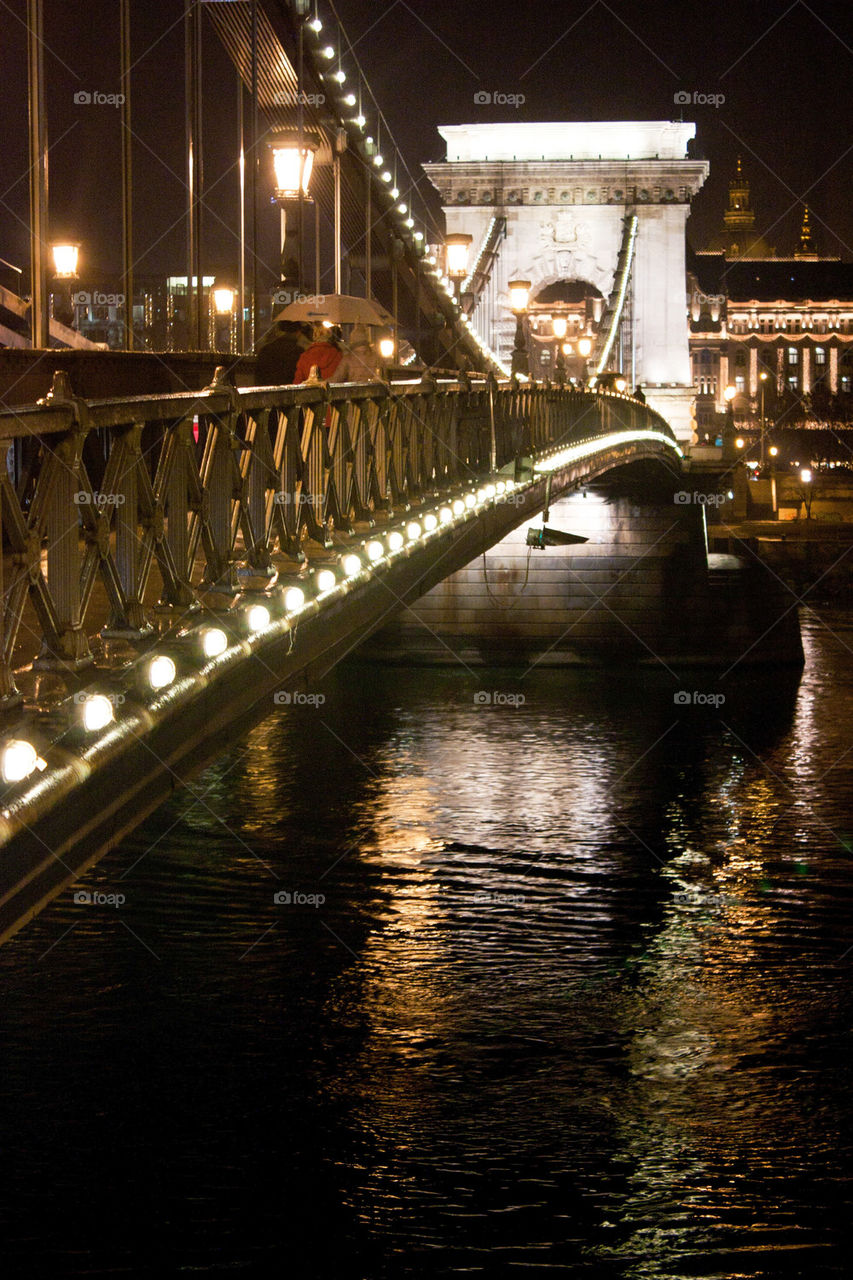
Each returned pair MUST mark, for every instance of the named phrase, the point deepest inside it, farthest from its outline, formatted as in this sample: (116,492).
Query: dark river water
(563,987)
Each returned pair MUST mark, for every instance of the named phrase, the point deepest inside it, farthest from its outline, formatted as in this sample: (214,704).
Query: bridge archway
(563,192)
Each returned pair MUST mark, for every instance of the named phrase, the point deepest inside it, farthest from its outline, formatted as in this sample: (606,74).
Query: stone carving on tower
(568,252)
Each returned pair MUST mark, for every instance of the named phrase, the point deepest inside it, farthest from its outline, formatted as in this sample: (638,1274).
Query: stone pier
(642,589)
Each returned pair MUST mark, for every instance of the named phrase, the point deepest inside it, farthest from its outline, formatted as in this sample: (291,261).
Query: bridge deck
(386,524)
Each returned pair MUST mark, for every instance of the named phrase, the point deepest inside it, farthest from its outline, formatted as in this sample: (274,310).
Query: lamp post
(386,353)
(457,247)
(292,163)
(584,351)
(762,377)
(519,297)
(774,453)
(559,328)
(222,316)
(65,258)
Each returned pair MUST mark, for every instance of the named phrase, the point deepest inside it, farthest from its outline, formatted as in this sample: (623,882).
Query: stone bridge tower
(548,203)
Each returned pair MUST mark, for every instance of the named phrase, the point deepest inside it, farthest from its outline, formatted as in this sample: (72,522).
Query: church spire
(739,216)
(806,247)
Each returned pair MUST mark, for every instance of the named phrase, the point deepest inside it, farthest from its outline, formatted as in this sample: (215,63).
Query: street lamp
(222,315)
(65,259)
(457,247)
(386,351)
(292,164)
(519,297)
(762,379)
(559,328)
(584,351)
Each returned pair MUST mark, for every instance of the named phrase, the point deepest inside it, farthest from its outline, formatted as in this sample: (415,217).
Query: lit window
(820,355)
(792,355)
(740,382)
(793,382)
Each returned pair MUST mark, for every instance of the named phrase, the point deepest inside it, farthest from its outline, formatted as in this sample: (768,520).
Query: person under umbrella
(324,354)
(359,363)
(278,353)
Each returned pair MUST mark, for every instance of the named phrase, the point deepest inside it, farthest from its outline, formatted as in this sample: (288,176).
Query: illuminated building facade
(752,312)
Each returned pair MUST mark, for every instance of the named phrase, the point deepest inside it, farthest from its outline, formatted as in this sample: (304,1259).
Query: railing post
(218,481)
(9,695)
(64,643)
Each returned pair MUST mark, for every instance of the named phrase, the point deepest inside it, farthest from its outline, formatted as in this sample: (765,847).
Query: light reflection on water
(577,998)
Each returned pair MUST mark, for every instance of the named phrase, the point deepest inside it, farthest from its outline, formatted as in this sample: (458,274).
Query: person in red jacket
(324,352)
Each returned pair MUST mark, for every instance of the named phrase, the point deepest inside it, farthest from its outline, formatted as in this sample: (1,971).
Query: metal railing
(207,487)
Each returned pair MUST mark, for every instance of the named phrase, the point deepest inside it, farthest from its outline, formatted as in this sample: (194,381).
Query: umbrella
(337,308)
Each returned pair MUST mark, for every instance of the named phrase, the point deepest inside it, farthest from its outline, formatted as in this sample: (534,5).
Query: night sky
(784,72)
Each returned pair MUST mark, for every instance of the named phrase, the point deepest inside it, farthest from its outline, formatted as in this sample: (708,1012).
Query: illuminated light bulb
(316,25)
(258,617)
(419,235)
(294,599)
(410,222)
(403,208)
(394,193)
(350,99)
(328,52)
(375,551)
(501,486)
(352,564)
(360,121)
(161,671)
(340,76)
(481,495)
(395,540)
(18,760)
(386,177)
(490,490)
(326,580)
(413,531)
(445,515)
(378,160)
(470,501)
(430,522)
(510,485)
(458,506)
(213,642)
(98,712)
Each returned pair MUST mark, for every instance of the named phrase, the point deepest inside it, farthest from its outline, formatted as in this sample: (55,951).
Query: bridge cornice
(567,182)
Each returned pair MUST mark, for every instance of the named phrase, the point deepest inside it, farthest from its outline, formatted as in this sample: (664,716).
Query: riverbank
(808,555)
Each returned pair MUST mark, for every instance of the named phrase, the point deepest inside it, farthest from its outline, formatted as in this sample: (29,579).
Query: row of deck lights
(359,121)
(95,712)
(457,246)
